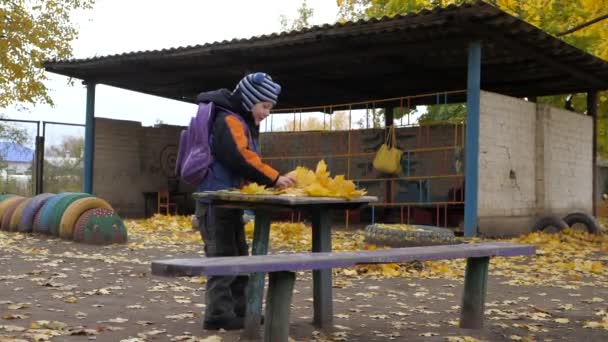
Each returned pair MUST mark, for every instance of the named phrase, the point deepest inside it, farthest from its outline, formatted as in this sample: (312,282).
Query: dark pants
(223,232)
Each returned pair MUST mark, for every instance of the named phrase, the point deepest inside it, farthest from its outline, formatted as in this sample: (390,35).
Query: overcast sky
(117,26)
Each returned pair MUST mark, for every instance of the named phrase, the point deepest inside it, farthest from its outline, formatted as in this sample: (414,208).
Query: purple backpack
(194,153)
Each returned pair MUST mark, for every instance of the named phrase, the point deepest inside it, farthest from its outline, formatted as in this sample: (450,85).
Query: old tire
(550,224)
(12,226)
(384,235)
(26,222)
(6,204)
(6,196)
(100,227)
(590,223)
(43,217)
(73,212)
(8,214)
(60,208)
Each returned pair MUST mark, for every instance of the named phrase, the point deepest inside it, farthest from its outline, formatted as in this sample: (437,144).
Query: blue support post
(89,138)
(472,139)
(373,214)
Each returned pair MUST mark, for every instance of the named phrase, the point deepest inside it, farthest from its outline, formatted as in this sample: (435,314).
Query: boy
(233,140)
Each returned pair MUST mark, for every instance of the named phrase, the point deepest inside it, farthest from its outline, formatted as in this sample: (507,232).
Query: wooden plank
(278,305)
(255,287)
(322,282)
(474,297)
(313,261)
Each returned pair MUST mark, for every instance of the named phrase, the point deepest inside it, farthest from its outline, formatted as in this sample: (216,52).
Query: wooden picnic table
(318,208)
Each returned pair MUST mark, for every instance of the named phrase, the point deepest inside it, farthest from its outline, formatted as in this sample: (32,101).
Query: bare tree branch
(583,25)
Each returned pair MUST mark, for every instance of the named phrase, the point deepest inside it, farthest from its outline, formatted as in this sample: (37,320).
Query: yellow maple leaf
(255,189)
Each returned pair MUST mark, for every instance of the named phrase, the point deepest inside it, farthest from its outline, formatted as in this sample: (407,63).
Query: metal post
(472,139)
(592,106)
(89,138)
(39,167)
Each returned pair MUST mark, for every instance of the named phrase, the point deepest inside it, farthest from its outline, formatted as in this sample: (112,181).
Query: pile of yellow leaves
(309,183)
(161,230)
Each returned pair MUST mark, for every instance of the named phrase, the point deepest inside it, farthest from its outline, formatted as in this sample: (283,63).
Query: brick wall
(533,160)
(131,159)
(506,156)
(567,170)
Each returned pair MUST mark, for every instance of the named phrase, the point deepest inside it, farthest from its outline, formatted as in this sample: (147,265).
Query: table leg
(322,287)
(255,287)
(474,293)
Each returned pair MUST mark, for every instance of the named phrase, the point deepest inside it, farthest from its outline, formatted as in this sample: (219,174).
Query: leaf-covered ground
(52,289)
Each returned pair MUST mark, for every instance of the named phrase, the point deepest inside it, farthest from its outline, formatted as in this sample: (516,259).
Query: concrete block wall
(131,159)
(568,161)
(506,156)
(534,160)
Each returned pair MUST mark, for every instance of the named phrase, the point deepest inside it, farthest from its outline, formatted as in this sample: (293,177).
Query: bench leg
(278,305)
(322,287)
(474,296)
(255,287)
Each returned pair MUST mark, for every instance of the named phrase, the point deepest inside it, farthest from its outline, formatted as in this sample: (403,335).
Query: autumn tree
(302,20)
(338,121)
(582,23)
(63,165)
(32,31)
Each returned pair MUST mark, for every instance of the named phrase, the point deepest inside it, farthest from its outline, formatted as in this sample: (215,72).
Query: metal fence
(430,187)
(40,156)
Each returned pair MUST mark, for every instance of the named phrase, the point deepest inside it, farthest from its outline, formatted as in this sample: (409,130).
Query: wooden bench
(282,277)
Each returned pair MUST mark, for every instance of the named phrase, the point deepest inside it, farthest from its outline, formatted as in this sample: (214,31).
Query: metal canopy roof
(354,61)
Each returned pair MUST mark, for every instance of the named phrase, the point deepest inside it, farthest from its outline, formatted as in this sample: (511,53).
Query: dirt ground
(56,290)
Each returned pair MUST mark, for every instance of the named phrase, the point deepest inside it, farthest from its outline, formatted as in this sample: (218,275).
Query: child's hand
(285,182)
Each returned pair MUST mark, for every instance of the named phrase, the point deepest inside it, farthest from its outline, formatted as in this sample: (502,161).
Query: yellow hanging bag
(388,157)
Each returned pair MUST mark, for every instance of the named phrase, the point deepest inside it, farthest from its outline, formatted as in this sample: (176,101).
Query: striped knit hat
(258,87)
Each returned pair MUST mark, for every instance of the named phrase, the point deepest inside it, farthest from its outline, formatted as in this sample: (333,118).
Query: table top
(240,199)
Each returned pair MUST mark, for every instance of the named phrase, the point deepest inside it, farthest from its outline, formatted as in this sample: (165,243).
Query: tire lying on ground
(399,235)
(75,210)
(583,219)
(550,224)
(26,221)
(12,226)
(100,227)
(8,213)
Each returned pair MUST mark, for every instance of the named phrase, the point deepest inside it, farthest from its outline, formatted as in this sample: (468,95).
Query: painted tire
(12,226)
(59,209)
(8,214)
(384,235)
(5,196)
(75,210)
(26,222)
(7,203)
(41,224)
(100,227)
(36,224)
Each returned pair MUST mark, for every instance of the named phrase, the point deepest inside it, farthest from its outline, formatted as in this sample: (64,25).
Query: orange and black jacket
(233,140)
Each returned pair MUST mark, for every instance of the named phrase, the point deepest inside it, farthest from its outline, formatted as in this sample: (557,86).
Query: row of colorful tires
(68,215)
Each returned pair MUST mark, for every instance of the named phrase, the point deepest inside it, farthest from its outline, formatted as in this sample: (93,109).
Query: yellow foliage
(31,32)
(314,184)
(255,189)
